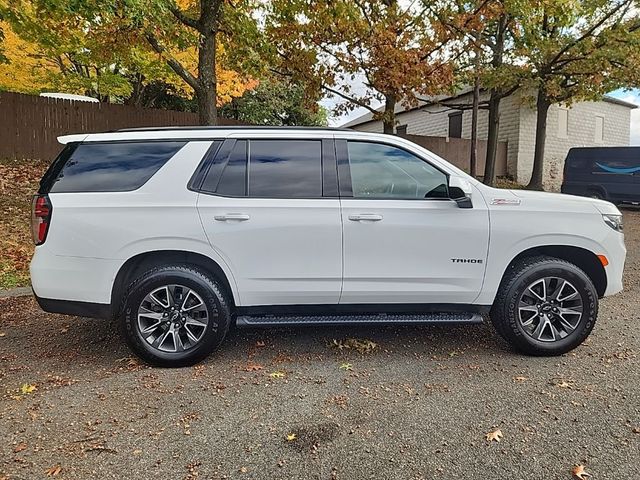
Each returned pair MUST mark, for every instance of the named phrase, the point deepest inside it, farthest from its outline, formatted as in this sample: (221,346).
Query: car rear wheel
(175,316)
(545,306)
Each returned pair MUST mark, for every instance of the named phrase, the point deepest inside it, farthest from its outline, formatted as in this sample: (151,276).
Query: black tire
(522,274)
(213,300)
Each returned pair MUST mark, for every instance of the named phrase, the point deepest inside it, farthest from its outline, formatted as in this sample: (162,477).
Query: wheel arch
(584,259)
(142,262)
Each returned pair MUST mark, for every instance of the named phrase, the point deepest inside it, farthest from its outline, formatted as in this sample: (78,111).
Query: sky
(632,96)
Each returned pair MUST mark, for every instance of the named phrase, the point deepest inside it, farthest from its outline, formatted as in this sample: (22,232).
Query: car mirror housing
(460,191)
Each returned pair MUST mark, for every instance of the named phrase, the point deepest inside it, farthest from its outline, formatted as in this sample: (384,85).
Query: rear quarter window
(111,167)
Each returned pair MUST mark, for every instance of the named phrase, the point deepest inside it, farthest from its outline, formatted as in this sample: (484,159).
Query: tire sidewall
(211,295)
(589,301)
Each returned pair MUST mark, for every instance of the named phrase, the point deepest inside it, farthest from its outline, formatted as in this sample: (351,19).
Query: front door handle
(238,217)
(365,217)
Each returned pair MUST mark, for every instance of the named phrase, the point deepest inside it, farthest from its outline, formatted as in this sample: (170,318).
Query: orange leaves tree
(220,30)
(393,49)
(113,49)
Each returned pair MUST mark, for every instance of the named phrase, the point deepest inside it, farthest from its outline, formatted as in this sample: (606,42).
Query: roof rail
(225,127)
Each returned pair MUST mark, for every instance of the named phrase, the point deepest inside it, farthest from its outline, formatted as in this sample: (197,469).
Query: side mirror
(460,191)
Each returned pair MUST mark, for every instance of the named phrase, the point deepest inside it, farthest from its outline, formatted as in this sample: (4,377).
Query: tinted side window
(384,171)
(113,167)
(285,168)
(233,180)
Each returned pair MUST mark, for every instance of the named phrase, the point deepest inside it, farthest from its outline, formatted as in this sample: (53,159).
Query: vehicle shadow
(75,342)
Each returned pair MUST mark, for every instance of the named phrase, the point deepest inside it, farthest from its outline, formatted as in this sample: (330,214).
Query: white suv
(181,232)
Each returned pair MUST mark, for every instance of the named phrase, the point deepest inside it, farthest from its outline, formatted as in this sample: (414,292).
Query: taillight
(40,218)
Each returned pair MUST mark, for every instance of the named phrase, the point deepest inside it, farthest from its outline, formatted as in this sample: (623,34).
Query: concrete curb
(16,292)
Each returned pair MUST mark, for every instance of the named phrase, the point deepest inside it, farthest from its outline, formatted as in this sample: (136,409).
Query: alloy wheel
(550,309)
(172,318)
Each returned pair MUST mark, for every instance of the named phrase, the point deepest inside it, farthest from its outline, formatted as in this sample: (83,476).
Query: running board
(358,319)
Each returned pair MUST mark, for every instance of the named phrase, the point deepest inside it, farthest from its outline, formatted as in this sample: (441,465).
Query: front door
(405,241)
(270,209)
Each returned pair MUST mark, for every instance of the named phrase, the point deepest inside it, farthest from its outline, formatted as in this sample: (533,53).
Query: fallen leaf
(520,379)
(26,389)
(360,345)
(53,471)
(291,437)
(346,366)
(563,384)
(579,473)
(636,430)
(20,447)
(277,375)
(253,367)
(2,334)
(260,343)
(243,469)
(496,435)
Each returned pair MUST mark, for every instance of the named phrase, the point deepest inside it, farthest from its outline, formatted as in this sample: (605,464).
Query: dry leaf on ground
(579,472)
(277,375)
(53,471)
(253,367)
(495,435)
(291,437)
(26,389)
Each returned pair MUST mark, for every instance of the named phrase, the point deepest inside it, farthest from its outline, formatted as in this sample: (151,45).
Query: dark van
(610,173)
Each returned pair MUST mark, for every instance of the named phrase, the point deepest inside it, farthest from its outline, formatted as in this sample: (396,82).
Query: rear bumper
(78,309)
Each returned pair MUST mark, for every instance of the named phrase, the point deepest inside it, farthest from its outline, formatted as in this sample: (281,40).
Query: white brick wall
(517,128)
(434,121)
(581,131)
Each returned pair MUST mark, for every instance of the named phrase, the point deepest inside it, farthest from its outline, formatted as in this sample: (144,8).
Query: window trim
(596,140)
(344,171)
(329,173)
(563,134)
(459,118)
(200,173)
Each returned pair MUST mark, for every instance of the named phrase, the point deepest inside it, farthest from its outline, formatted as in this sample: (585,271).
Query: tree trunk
(492,139)
(207,94)
(389,119)
(473,160)
(542,106)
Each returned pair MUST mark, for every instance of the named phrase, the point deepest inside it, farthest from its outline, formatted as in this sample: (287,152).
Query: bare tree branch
(185,19)
(175,65)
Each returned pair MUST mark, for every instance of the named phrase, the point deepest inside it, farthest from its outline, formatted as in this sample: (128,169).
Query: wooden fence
(458,151)
(30,125)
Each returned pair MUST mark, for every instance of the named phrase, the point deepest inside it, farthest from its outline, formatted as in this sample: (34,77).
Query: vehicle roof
(195,132)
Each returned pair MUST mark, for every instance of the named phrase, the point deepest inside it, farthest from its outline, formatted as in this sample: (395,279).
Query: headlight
(614,221)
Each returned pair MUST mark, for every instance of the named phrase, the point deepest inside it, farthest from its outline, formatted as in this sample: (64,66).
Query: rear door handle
(365,217)
(238,217)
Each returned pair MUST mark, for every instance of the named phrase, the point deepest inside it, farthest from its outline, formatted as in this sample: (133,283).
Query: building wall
(580,132)
(518,126)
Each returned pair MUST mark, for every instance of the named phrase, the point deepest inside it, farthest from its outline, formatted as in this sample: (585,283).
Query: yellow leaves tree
(101,49)
(25,69)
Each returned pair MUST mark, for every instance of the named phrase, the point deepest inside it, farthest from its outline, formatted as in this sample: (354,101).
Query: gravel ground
(74,403)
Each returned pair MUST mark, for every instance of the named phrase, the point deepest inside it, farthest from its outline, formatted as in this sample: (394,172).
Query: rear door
(405,241)
(270,208)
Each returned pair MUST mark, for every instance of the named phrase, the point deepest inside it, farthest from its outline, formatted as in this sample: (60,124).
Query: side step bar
(358,319)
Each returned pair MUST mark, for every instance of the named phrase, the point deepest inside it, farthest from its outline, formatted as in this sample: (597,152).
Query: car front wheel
(175,316)
(545,306)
